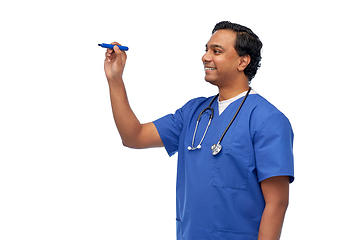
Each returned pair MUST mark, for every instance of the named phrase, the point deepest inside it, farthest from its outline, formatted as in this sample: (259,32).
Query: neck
(226,93)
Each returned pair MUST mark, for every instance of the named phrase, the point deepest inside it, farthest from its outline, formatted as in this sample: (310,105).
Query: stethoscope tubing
(216,148)
(237,112)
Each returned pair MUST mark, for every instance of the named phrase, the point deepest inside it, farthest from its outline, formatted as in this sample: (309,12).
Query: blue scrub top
(219,197)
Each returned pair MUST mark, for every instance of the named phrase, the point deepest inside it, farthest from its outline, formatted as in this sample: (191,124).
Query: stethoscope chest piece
(216,148)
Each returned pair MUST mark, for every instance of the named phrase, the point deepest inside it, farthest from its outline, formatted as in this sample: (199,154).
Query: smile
(207,68)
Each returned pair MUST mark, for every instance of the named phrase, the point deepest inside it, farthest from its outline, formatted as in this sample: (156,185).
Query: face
(221,60)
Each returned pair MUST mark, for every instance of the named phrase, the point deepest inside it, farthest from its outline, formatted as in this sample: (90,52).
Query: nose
(206,57)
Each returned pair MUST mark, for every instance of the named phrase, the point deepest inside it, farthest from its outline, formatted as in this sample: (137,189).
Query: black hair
(247,43)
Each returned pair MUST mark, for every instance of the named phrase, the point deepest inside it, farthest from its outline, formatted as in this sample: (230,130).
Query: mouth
(208,68)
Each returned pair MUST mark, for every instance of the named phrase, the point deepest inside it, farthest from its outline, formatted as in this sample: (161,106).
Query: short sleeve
(273,145)
(169,128)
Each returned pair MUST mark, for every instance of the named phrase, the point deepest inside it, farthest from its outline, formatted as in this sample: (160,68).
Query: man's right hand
(114,65)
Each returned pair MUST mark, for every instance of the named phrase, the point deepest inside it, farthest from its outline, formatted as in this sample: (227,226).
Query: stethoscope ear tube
(201,113)
(215,148)
(197,124)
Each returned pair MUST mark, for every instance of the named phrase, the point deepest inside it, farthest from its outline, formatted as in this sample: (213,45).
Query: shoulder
(186,110)
(199,100)
(263,107)
(272,139)
(194,103)
(263,111)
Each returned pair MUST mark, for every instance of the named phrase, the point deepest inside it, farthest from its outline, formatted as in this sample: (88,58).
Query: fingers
(109,55)
(112,54)
(114,43)
(121,55)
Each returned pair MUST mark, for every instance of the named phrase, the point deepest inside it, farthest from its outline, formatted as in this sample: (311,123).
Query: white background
(64,173)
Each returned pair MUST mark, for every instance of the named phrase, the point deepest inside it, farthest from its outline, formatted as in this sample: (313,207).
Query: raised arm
(132,132)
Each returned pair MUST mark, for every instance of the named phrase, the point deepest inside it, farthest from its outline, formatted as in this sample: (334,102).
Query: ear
(243,62)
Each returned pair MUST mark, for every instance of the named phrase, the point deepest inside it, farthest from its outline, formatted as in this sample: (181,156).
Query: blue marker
(104,45)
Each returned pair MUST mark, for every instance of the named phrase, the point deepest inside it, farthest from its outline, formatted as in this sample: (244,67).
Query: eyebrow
(215,46)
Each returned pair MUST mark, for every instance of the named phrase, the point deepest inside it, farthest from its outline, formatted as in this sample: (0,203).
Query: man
(237,191)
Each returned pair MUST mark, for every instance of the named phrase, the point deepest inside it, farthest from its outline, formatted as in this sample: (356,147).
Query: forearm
(126,122)
(272,221)
(133,134)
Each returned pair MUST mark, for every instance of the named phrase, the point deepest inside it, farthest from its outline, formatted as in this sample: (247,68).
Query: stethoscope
(215,148)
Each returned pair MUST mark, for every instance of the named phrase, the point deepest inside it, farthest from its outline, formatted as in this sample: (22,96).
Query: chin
(211,80)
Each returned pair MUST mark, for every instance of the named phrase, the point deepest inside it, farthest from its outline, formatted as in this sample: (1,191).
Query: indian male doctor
(235,159)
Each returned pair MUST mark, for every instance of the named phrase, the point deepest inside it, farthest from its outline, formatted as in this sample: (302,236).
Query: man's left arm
(276,195)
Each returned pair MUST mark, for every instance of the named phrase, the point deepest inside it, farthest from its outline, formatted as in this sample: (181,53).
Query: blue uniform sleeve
(273,145)
(169,128)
